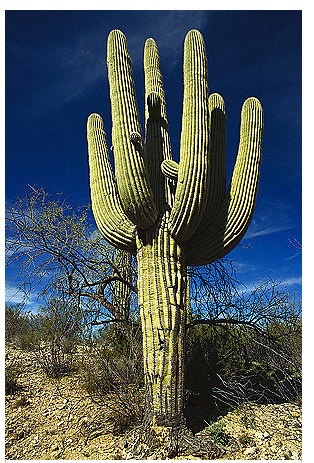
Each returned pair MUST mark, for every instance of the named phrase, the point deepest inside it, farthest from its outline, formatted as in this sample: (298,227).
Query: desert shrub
(57,331)
(228,365)
(114,377)
(12,372)
(18,329)
(217,432)
(278,356)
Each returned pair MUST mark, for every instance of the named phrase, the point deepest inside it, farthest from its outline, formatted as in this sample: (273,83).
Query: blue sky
(56,76)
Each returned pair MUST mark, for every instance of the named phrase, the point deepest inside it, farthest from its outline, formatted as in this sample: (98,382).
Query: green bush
(18,328)
(216,431)
(57,332)
(12,372)
(110,375)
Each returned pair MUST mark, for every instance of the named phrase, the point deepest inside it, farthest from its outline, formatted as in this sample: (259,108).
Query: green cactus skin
(106,204)
(157,140)
(170,169)
(130,166)
(171,215)
(193,175)
(227,226)
(161,299)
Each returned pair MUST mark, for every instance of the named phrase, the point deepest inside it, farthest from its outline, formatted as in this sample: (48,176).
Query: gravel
(50,419)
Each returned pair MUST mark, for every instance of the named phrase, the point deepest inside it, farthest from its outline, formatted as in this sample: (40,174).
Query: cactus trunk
(161,296)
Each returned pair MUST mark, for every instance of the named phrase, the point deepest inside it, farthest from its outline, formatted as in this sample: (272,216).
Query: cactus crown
(204,217)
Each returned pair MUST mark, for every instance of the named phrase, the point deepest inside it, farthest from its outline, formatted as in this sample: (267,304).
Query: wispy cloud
(70,69)
(291,281)
(13,295)
(169,31)
(257,229)
(271,218)
(286,282)
(74,66)
(243,267)
(297,254)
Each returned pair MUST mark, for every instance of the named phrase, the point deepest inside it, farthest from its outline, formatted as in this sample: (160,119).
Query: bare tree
(55,252)
(249,340)
(218,298)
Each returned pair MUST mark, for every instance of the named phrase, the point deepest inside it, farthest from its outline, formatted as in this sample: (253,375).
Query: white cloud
(285,282)
(169,31)
(271,218)
(13,295)
(243,267)
(291,281)
(258,230)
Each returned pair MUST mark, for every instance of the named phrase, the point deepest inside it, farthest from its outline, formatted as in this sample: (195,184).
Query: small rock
(21,401)
(19,434)
(250,451)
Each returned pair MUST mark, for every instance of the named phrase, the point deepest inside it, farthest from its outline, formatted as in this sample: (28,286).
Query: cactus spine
(171,215)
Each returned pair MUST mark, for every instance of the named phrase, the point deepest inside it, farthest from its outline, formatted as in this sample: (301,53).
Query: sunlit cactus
(172,215)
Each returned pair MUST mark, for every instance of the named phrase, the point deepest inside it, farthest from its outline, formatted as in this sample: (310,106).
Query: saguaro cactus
(171,215)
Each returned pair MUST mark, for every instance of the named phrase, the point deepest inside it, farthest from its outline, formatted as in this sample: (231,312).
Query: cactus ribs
(170,215)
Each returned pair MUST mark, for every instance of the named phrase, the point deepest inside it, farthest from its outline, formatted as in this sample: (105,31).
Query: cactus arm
(193,176)
(217,163)
(153,79)
(219,238)
(217,158)
(157,139)
(130,164)
(170,169)
(109,216)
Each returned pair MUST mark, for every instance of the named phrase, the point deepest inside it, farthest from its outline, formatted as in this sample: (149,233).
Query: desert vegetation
(232,374)
(243,347)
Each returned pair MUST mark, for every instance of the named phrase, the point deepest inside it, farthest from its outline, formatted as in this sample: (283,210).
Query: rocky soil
(49,419)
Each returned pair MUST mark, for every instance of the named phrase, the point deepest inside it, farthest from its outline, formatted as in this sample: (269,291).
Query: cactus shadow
(200,406)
